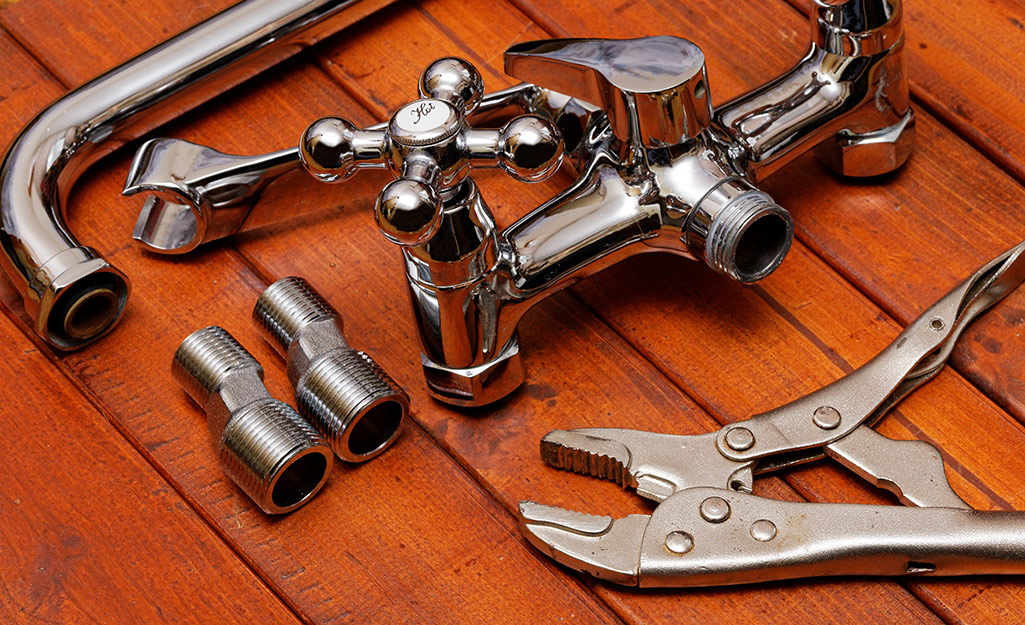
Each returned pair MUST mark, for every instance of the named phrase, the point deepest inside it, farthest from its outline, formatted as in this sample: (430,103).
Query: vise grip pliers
(708,529)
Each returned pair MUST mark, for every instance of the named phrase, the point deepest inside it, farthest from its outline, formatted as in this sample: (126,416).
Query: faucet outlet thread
(264,446)
(749,237)
(351,401)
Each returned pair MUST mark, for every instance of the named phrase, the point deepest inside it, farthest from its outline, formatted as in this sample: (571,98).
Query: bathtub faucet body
(659,169)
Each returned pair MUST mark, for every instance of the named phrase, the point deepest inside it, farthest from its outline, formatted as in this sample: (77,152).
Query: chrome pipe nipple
(265,447)
(358,408)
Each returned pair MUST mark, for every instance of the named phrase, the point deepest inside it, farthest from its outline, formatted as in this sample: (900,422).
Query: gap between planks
(645,356)
(657,366)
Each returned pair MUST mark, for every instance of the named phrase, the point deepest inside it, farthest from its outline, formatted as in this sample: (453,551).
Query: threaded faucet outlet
(739,231)
(342,391)
(265,447)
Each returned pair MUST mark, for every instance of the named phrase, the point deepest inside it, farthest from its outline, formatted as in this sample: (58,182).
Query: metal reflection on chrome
(658,169)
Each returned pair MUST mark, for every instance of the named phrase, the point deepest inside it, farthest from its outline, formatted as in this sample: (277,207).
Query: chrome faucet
(658,170)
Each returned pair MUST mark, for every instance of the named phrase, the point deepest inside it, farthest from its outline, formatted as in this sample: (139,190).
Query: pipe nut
(476,386)
(871,153)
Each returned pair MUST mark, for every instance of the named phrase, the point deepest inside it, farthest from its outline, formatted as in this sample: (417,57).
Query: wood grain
(425,533)
(407,537)
(950,209)
(91,532)
(95,37)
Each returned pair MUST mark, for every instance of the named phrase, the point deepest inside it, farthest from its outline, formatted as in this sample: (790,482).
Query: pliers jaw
(656,465)
(604,547)
(609,548)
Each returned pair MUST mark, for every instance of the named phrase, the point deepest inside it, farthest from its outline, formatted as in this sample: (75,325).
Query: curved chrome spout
(73,295)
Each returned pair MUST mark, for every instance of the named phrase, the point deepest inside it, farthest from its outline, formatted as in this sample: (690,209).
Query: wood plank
(79,504)
(949,210)
(91,41)
(558,413)
(579,373)
(989,490)
(126,526)
(407,537)
(765,602)
(906,242)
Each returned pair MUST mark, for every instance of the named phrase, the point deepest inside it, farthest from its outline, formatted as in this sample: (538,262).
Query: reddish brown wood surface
(90,532)
(426,533)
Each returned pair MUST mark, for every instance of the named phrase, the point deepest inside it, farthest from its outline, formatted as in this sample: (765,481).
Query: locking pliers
(708,528)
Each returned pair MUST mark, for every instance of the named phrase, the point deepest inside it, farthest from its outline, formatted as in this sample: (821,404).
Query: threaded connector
(748,237)
(343,392)
(287,306)
(265,447)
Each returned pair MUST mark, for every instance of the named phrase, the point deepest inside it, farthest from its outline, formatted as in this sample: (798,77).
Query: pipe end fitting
(351,401)
(286,307)
(265,447)
(206,360)
(275,456)
(748,237)
(76,297)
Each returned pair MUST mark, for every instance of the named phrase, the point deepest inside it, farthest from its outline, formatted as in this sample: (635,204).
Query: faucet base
(476,386)
(870,153)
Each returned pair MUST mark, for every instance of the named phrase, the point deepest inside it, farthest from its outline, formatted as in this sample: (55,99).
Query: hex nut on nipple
(341,391)
(265,447)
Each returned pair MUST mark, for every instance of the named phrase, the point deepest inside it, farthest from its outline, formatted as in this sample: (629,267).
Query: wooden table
(113,508)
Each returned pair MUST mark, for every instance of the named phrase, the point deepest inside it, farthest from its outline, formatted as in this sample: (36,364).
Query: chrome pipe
(73,295)
(847,98)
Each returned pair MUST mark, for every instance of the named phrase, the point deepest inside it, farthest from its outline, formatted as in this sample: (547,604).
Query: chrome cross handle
(431,148)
